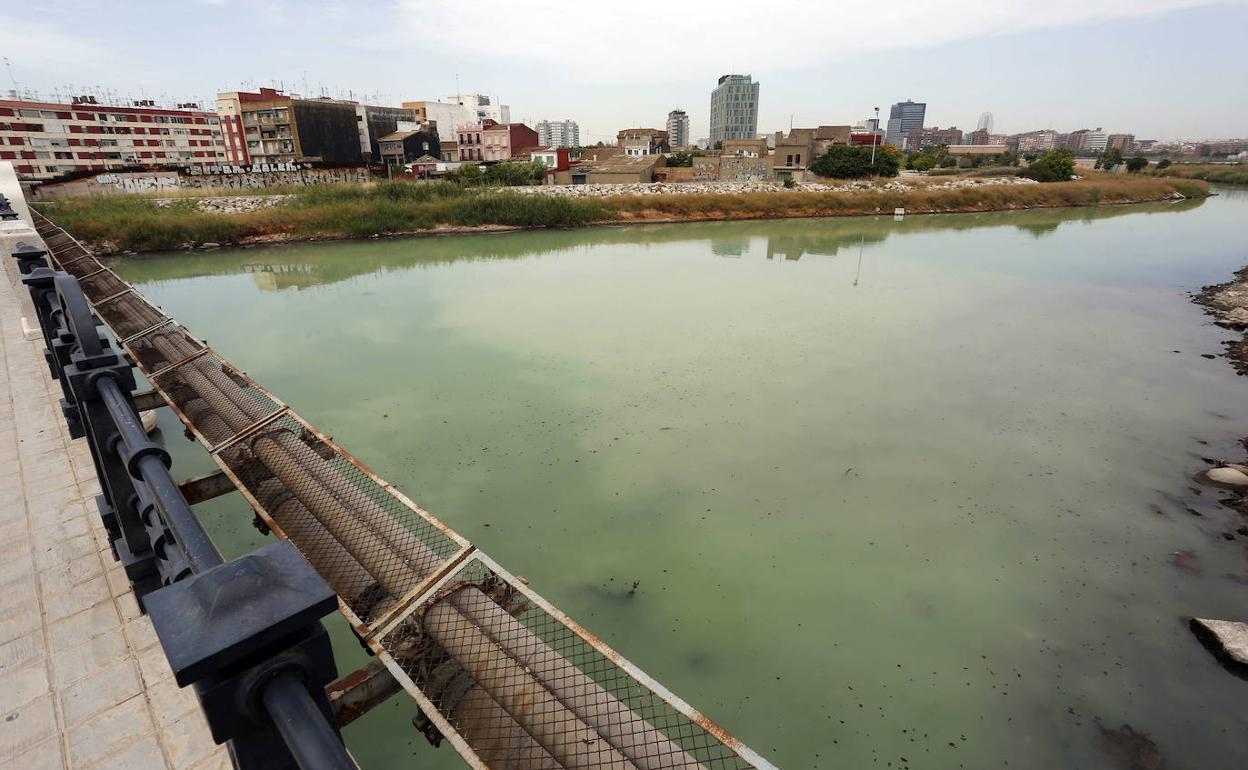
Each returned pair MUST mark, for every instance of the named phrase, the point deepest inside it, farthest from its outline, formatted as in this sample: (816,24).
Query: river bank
(119,224)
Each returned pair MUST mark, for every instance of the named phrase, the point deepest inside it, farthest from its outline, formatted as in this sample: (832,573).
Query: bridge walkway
(84,682)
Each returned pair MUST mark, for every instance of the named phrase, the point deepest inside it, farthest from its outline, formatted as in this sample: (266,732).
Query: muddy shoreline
(1227,305)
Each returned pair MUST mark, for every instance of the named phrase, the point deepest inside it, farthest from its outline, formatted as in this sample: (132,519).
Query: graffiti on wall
(218,178)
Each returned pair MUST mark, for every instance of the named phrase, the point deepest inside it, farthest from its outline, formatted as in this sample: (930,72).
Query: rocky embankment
(229,204)
(728,188)
(1227,304)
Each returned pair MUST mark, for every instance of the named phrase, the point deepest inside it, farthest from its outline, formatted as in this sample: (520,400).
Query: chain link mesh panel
(218,401)
(102,285)
(372,546)
(162,347)
(523,687)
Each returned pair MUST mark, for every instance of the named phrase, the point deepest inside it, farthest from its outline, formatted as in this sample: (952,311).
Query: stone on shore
(1227,639)
(1228,478)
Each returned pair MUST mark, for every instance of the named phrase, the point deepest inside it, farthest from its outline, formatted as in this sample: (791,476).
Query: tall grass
(136,223)
(1207,173)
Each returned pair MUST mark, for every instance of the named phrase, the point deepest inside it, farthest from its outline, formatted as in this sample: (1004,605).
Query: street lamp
(875,132)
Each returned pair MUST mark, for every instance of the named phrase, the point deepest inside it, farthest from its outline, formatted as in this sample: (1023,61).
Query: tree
(680,159)
(921,162)
(470,174)
(1136,164)
(843,161)
(1053,166)
(537,169)
(510,174)
(719,145)
(1109,159)
(1163,163)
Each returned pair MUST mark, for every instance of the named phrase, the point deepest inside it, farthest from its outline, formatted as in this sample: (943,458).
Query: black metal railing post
(245,633)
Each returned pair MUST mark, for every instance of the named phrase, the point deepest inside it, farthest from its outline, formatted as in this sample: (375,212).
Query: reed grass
(136,223)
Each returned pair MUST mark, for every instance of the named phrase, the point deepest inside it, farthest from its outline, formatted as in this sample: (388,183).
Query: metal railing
(245,633)
(498,672)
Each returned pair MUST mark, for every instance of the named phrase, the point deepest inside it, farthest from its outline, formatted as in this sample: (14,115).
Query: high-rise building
(734,108)
(985,123)
(483,107)
(45,140)
(904,117)
(678,128)
(558,133)
(1096,141)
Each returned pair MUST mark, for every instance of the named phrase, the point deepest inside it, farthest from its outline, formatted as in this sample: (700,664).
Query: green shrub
(1053,166)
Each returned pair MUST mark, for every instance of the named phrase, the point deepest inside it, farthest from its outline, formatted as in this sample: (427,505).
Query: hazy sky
(1162,69)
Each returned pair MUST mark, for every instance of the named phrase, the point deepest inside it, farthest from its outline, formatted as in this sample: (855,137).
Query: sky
(1160,69)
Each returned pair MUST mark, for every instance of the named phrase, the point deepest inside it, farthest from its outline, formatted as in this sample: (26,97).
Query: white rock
(148,419)
(1227,477)
(1226,637)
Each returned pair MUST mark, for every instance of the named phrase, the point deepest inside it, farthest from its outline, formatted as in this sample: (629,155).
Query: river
(892,493)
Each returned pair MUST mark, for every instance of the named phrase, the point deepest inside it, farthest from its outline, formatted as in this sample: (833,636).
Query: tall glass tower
(734,109)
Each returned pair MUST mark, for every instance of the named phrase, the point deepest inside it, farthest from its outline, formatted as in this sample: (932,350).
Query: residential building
(594,154)
(734,108)
(795,152)
(373,123)
(470,141)
(1075,140)
(616,169)
(1096,141)
(482,107)
(558,133)
(45,140)
(407,146)
(1038,141)
(503,141)
(985,123)
(643,141)
(554,158)
(446,117)
(1124,142)
(922,138)
(979,136)
(904,117)
(271,127)
(678,128)
(745,148)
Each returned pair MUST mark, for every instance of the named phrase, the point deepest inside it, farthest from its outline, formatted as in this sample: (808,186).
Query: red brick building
(47,140)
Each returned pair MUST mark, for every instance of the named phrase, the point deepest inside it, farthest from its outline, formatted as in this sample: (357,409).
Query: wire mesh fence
(497,671)
(480,636)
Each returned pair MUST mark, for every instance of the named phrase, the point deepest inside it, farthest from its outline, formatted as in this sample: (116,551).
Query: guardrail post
(247,634)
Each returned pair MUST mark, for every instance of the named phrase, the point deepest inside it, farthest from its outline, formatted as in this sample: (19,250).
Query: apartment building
(922,138)
(558,133)
(643,141)
(503,141)
(268,126)
(678,128)
(45,140)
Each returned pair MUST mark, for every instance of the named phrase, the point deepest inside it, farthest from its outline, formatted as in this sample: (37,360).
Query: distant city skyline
(325,48)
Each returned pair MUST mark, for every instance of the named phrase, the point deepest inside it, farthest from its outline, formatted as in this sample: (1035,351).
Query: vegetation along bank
(136,223)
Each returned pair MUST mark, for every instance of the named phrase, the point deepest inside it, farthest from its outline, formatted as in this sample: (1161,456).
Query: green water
(888,489)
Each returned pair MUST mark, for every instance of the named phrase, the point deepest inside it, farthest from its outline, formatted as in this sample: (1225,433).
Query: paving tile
(48,755)
(83,595)
(141,634)
(26,727)
(107,687)
(22,650)
(19,621)
(218,760)
(187,740)
(128,606)
(82,661)
(141,754)
(104,734)
(24,683)
(154,665)
(169,702)
(81,626)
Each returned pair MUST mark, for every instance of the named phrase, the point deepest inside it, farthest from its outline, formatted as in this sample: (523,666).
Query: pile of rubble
(230,204)
(722,188)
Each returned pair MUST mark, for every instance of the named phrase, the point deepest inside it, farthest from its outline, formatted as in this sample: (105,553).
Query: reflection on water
(870,493)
